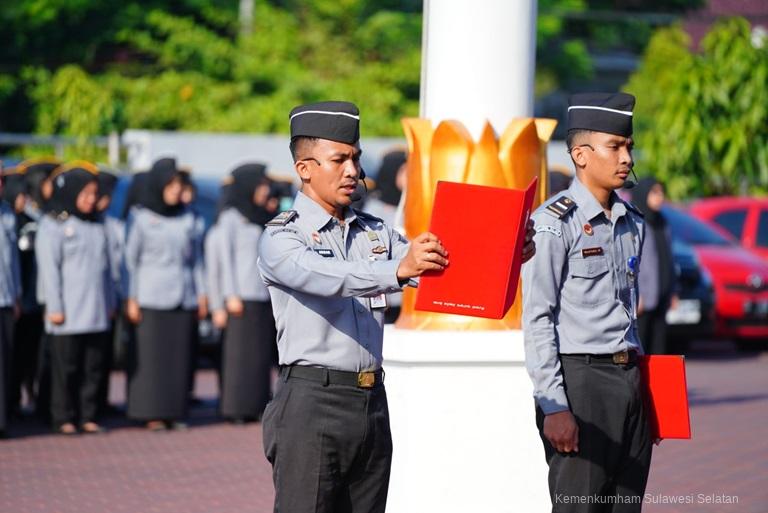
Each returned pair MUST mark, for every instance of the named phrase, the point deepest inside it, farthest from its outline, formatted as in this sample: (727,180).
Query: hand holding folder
(483,228)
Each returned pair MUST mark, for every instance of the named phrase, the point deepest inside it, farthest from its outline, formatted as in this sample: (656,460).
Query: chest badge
(378,250)
(325,252)
(588,229)
(372,236)
(316,237)
(588,252)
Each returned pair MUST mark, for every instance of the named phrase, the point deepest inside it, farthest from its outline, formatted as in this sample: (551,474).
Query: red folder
(483,230)
(666,394)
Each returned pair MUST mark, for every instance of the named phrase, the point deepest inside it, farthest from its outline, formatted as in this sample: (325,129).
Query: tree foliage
(702,118)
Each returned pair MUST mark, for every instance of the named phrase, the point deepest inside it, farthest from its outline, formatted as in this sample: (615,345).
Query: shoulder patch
(561,206)
(283,230)
(548,229)
(283,218)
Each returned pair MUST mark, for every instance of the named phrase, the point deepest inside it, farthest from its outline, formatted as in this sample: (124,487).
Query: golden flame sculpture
(449,153)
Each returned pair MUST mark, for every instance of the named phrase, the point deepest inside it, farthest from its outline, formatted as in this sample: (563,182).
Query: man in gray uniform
(328,268)
(579,319)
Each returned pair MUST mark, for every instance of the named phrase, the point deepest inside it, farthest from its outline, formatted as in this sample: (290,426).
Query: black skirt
(158,381)
(246,361)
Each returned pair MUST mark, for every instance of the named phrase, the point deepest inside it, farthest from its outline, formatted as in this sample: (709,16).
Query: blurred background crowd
(207,84)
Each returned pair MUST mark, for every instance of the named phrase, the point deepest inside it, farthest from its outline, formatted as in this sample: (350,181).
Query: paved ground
(219,468)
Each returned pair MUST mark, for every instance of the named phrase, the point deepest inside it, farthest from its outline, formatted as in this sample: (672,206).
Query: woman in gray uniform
(250,335)
(163,256)
(73,260)
(10,296)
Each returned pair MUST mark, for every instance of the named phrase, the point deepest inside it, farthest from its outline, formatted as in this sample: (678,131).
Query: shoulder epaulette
(561,206)
(634,209)
(283,218)
(368,216)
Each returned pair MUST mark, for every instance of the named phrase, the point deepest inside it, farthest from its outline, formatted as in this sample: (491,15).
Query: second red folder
(483,229)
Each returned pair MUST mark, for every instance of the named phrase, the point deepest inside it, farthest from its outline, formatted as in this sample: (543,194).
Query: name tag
(588,252)
(325,252)
(379,301)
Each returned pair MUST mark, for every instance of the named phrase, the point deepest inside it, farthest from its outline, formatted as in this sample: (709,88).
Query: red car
(740,279)
(744,218)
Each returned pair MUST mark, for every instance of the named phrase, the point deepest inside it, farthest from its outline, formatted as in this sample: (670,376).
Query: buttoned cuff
(389,272)
(553,401)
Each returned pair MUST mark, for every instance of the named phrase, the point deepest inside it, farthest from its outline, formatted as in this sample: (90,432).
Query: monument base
(463,423)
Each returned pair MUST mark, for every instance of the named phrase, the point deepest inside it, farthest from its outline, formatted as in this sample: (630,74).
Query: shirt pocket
(589,281)
(324,306)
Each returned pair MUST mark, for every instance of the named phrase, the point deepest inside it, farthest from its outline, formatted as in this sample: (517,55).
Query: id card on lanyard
(379,301)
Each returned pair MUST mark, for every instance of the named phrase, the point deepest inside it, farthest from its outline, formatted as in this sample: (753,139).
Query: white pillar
(461,405)
(478,61)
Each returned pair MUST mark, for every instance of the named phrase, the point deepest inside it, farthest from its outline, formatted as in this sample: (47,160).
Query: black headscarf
(656,228)
(245,180)
(14,185)
(386,180)
(159,176)
(68,184)
(136,192)
(36,172)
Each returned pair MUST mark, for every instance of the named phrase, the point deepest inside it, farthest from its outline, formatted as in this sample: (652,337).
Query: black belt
(620,358)
(327,376)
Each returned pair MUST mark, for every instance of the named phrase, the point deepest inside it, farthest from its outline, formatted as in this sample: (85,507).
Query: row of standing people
(86,265)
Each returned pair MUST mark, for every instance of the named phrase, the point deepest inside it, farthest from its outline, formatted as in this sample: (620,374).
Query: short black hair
(299,144)
(574,136)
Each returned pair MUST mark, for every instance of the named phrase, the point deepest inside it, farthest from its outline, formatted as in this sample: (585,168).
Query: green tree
(703,118)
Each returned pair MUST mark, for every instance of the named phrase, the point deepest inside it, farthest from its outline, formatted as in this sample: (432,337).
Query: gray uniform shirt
(164,259)
(10,274)
(240,253)
(321,277)
(578,294)
(73,262)
(213,259)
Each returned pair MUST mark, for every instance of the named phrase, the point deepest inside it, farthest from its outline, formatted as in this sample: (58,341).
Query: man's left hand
(530,246)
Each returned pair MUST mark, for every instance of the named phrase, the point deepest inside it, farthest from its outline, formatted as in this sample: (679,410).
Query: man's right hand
(425,254)
(562,431)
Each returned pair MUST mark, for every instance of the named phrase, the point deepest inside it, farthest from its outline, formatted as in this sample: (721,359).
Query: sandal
(67,429)
(91,428)
(156,426)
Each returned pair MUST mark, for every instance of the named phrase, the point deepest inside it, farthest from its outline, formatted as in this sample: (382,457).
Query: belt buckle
(621,358)
(366,379)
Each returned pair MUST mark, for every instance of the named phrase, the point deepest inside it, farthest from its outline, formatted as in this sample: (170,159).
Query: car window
(690,230)
(762,230)
(732,221)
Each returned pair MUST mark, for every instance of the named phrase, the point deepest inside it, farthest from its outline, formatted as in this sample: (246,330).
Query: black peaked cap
(602,112)
(335,121)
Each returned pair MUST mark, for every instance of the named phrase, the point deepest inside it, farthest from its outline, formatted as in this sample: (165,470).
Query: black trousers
(7,323)
(330,447)
(77,365)
(610,471)
(29,332)
(652,330)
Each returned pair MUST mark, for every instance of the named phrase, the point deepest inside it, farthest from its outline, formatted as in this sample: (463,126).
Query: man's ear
(579,156)
(303,170)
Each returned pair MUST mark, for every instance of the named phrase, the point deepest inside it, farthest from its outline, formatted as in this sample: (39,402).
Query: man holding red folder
(580,320)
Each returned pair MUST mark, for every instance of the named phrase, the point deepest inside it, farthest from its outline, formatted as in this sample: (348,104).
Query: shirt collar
(315,215)
(589,205)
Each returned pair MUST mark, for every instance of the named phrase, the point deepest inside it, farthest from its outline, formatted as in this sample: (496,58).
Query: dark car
(693,317)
